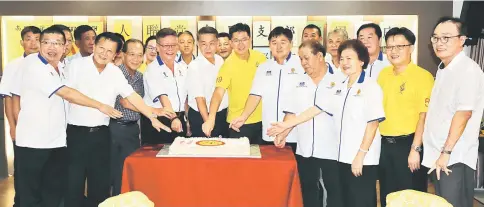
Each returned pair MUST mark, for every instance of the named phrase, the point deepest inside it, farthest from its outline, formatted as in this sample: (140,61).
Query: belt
(395,139)
(125,123)
(89,129)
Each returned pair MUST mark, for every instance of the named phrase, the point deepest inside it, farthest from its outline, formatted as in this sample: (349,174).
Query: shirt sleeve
(17,77)
(258,82)
(122,85)
(5,84)
(153,78)
(224,77)
(373,103)
(423,94)
(469,91)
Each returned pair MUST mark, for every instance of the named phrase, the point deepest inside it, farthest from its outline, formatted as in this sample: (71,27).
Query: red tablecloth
(272,180)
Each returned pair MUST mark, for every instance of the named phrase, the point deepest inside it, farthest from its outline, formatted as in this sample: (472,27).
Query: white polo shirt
(273,83)
(103,87)
(201,78)
(316,137)
(42,118)
(352,109)
(182,62)
(458,87)
(158,80)
(8,78)
(373,69)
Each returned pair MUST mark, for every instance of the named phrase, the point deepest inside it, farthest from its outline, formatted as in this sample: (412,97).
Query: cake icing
(210,146)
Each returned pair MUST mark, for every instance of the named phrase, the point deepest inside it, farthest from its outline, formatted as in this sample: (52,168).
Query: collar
(25,54)
(123,68)
(380,56)
(287,58)
(205,60)
(158,58)
(361,79)
(180,58)
(409,68)
(43,59)
(330,69)
(452,62)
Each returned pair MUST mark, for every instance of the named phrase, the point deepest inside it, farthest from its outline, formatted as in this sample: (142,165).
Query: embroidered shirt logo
(338,92)
(293,71)
(358,93)
(256,64)
(301,84)
(427,101)
(402,87)
(331,85)
(268,73)
(180,72)
(219,79)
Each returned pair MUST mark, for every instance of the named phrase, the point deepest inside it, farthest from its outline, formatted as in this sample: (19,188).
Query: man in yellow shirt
(236,76)
(406,94)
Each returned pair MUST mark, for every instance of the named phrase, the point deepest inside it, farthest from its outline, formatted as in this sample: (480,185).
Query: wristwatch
(446,151)
(417,148)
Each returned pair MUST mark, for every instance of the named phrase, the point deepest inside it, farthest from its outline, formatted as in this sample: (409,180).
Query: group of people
(353,114)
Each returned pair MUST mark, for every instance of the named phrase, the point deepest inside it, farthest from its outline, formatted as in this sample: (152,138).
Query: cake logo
(210,143)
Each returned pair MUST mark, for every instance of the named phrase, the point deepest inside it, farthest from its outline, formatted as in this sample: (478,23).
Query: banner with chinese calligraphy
(346,23)
(97,26)
(180,23)
(128,26)
(151,25)
(295,23)
(261,33)
(11,36)
(224,23)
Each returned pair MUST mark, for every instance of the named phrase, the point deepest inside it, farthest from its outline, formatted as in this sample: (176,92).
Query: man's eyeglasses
(166,47)
(52,43)
(398,47)
(237,41)
(444,39)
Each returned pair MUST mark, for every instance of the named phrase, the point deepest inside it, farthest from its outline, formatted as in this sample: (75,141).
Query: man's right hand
(207,127)
(110,111)
(238,122)
(13,134)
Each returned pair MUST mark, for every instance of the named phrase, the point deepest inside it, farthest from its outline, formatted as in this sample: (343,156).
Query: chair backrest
(412,198)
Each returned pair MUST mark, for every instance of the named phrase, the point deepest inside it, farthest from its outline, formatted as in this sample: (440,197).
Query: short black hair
(461,25)
(27,29)
(223,34)
(80,30)
(152,37)
(315,46)
(53,30)
(62,27)
(278,31)
(112,37)
(359,48)
(165,32)
(239,27)
(125,45)
(401,31)
(312,26)
(376,27)
(188,33)
(207,30)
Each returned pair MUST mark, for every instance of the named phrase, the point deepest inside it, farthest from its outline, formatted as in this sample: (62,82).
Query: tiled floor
(7,192)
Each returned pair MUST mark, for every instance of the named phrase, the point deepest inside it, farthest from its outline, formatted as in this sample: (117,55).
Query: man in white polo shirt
(42,145)
(30,43)
(272,85)
(202,73)
(88,135)
(164,83)
(370,34)
(454,115)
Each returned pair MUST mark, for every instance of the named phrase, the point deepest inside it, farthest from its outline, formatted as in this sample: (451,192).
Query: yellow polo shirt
(405,96)
(142,68)
(236,76)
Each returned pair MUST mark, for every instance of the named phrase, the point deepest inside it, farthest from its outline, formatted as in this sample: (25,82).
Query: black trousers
(89,152)
(221,127)
(16,176)
(251,131)
(149,135)
(124,141)
(458,187)
(394,174)
(43,173)
(309,173)
(358,191)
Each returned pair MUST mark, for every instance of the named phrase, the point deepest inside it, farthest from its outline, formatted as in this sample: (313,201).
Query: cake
(202,146)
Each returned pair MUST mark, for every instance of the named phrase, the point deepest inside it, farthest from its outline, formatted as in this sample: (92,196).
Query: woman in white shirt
(356,106)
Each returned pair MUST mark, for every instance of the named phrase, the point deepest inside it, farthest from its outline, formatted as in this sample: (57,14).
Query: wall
(428,11)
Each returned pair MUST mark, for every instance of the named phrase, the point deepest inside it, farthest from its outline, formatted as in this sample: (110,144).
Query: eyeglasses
(398,47)
(444,39)
(166,47)
(52,43)
(237,41)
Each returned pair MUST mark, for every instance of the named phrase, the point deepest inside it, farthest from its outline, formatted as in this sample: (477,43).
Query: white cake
(202,146)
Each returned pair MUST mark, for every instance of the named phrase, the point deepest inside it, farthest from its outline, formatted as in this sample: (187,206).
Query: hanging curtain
(477,52)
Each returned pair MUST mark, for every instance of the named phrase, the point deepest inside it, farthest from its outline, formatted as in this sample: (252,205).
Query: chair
(412,198)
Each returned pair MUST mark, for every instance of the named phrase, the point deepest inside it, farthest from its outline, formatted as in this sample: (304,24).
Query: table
(272,180)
